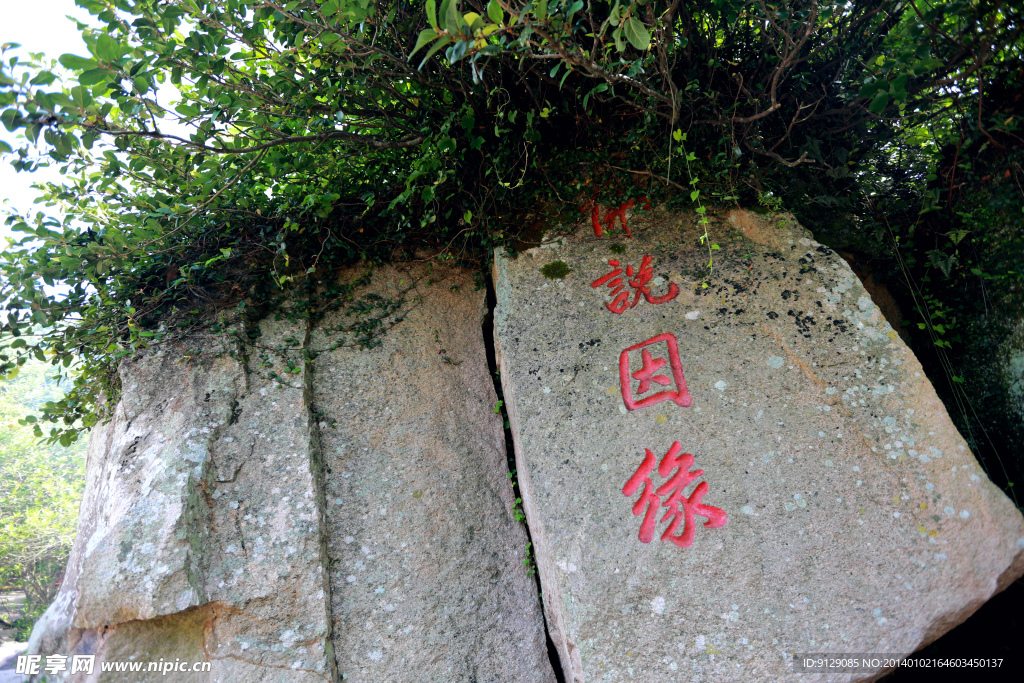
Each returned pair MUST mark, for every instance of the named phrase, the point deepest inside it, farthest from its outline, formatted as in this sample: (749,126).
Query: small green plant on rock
(530,562)
(770,201)
(556,270)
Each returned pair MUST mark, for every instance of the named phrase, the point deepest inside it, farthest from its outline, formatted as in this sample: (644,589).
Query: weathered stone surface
(205,534)
(857,521)
(201,492)
(427,577)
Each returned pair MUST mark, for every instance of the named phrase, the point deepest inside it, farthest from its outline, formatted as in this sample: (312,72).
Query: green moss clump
(556,270)
(617,248)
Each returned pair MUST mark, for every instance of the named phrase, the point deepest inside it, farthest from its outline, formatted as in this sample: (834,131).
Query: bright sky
(39,26)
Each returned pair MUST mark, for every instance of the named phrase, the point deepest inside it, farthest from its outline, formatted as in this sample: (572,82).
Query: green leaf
(899,87)
(540,10)
(187,110)
(453,18)
(923,67)
(107,48)
(444,40)
(694,195)
(879,104)
(614,15)
(620,44)
(432,15)
(7,118)
(494,11)
(426,35)
(637,34)
(75,62)
(564,76)
(93,76)
(457,51)
(43,78)
(869,89)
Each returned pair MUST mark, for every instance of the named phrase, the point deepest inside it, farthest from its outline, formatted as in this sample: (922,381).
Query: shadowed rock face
(346,517)
(829,504)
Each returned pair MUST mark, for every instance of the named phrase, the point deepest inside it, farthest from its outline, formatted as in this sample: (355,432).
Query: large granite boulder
(288,507)
(719,478)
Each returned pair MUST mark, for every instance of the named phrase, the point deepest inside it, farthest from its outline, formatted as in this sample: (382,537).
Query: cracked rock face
(226,509)
(200,533)
(719,478)
(427,576)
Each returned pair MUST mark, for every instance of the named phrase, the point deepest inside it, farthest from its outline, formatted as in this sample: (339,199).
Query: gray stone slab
(201,494)
(845,512)
(427,576)
(205,534)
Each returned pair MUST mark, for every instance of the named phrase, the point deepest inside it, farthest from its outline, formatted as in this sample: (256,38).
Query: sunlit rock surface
(296,509)
(829,505)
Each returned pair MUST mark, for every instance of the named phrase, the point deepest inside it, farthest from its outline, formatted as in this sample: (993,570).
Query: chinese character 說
(637,280)
(681,509)
(646,374)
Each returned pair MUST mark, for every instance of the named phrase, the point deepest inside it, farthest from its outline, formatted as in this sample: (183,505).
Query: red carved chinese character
(612,214)
(680,508)
(619,213)
(650,365)
(637,281)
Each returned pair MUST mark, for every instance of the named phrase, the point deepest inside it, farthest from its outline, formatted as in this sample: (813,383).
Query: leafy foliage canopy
(217,151)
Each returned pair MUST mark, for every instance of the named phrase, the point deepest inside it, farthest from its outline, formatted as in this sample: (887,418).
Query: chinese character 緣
(681,509)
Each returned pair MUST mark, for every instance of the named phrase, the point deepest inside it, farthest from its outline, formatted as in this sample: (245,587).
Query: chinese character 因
(681,509)
(638,281)
(647,377)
